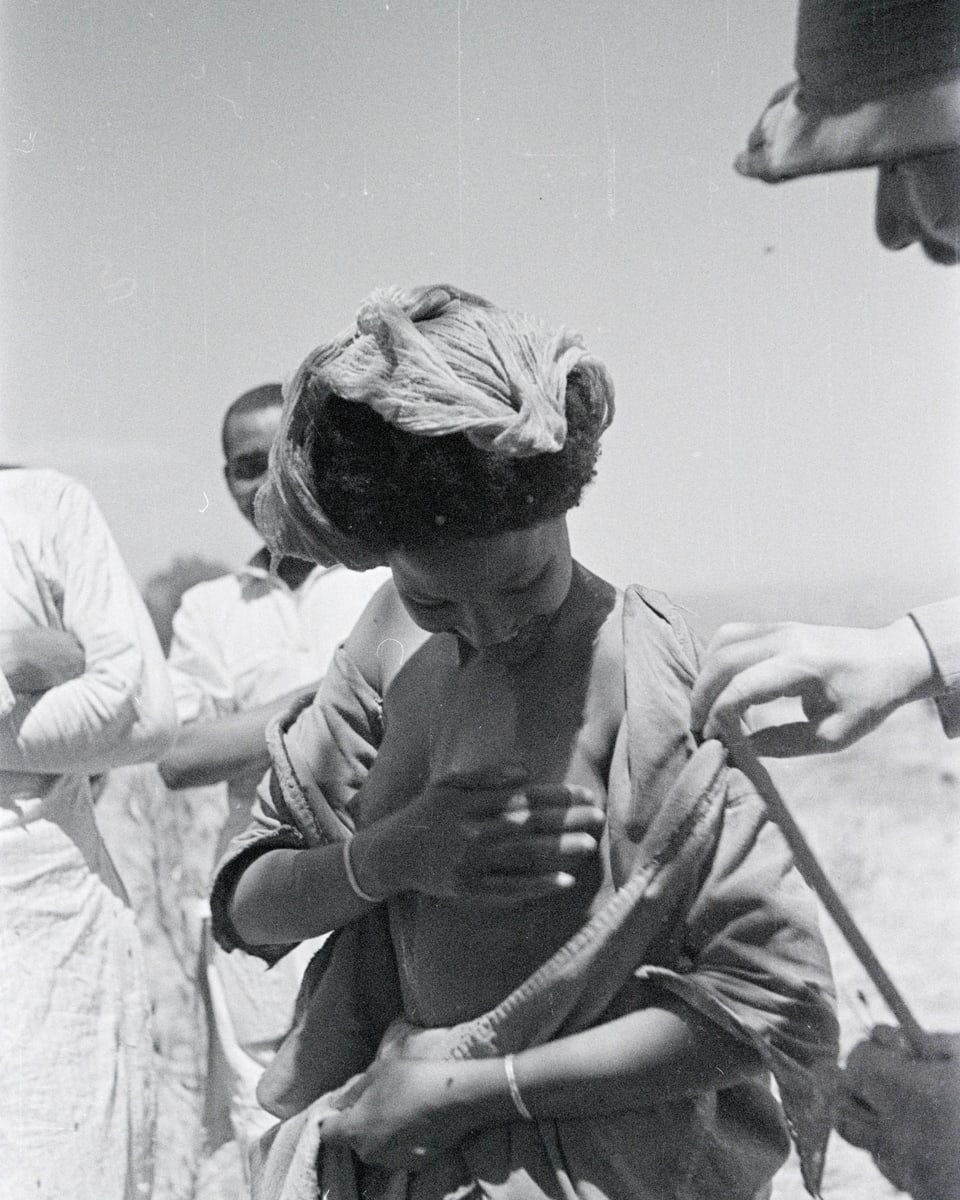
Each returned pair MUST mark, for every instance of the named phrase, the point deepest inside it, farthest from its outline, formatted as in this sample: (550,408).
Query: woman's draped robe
(708,909)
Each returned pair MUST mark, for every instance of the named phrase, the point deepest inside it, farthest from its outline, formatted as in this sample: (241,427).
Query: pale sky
(195,194)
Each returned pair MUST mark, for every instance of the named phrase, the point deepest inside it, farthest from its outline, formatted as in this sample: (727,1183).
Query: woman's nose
(896,220)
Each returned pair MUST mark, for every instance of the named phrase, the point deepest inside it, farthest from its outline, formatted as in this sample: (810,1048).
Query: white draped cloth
(76,1094)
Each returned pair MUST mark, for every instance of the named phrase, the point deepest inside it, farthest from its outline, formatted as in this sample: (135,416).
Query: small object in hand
(905,1110)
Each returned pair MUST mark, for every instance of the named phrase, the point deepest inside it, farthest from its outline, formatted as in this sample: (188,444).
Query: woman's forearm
(646,1058)
(403,1105)
(454,839)
(641,1060)
(290,895)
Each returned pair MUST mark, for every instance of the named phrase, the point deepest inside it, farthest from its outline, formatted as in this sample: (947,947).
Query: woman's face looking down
(488,591)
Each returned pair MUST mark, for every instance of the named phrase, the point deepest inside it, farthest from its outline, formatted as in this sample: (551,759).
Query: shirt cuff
(939,626)
(240,854)
(7,699)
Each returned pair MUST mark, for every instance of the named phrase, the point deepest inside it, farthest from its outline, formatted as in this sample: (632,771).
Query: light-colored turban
(431,361)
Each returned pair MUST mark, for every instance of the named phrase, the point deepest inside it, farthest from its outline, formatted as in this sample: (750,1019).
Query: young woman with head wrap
(591,941)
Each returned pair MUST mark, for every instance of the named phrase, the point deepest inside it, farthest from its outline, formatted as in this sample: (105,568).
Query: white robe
(76,1094)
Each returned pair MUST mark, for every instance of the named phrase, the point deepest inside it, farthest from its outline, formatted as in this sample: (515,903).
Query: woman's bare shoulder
(383,638)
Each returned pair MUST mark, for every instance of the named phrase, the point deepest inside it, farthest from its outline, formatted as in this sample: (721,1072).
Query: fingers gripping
(522,840)
(734,649)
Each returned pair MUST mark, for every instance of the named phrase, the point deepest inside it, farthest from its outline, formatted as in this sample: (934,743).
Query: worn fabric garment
(247,638)
(431,361)
(75,1047)
(164,846)
(240,641)
(939,625)
(695,897)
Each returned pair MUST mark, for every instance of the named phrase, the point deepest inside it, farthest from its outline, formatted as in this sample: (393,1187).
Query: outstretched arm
(848,680)
(208,751)
(216,741)
(404,1111)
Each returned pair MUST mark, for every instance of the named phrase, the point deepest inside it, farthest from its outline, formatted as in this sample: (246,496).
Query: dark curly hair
(392,489)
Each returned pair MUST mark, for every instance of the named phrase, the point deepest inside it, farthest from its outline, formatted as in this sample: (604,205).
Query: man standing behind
(245,647)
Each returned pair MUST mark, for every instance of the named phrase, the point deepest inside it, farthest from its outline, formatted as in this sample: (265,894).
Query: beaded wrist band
(352,879)
(512,1084)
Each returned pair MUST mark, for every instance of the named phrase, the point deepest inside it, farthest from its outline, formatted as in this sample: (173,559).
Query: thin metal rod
(742,756)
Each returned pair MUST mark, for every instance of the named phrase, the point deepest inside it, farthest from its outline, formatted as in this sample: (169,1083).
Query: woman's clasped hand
(484,834)
(403,1112)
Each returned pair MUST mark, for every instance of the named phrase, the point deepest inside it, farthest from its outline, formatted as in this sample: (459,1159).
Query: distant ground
(884,818)
(867,602)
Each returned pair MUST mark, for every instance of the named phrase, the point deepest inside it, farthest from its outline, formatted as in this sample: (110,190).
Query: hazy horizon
(194,196)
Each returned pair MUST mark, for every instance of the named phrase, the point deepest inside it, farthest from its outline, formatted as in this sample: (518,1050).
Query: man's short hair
(267,395)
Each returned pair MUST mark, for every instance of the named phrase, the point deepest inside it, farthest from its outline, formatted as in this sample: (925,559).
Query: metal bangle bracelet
(514,1088)
(352,879)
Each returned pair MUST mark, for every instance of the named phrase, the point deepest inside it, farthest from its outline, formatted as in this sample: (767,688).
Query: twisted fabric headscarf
(430,361)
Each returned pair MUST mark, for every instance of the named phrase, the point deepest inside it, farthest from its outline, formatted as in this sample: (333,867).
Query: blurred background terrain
(193,195)
(883,817)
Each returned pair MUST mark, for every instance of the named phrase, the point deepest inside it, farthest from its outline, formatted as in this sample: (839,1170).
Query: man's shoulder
(41,487)
(214,595)
(339,595)
(43,507)
(340,579)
